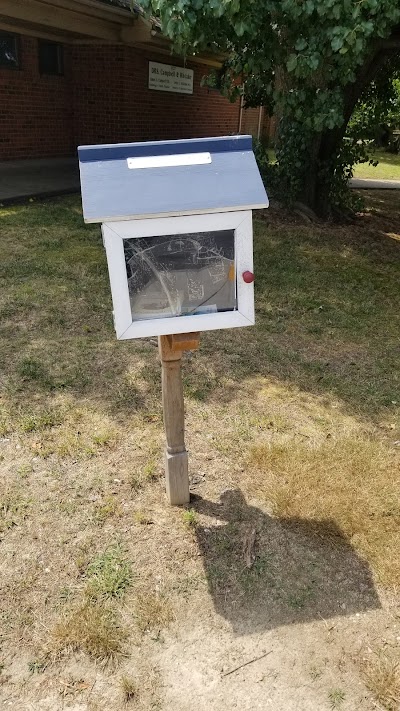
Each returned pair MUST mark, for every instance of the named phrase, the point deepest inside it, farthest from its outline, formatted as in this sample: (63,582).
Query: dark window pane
(51,58)
(8,51)
(181,275)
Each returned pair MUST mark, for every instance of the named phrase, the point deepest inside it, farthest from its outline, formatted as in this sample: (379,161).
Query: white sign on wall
(165,77)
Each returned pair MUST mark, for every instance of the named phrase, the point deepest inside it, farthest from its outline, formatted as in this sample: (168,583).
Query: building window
(51,58)
(9,55)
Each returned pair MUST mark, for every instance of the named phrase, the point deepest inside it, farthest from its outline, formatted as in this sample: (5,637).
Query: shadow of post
(301,570)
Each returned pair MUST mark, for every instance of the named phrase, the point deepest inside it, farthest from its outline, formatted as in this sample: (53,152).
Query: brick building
(77,72)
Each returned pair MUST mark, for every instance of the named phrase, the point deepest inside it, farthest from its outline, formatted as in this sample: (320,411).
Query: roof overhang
(130,181)
(88,22)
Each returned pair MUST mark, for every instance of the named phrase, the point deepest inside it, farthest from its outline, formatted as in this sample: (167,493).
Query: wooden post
(176,457)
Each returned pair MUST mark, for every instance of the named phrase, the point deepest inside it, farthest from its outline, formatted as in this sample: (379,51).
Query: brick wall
(113,103)
(103,97)
(98,94)
(35,110)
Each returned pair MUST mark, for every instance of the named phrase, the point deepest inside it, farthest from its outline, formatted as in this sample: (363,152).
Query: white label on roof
(169,161)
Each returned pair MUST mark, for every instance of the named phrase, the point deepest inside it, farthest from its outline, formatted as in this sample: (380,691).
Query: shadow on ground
(300,570)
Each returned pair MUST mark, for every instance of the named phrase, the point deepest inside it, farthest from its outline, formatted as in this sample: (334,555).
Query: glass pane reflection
(180,275)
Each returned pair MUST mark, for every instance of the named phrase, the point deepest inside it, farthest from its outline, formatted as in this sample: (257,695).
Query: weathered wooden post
(177,227)
(176,457)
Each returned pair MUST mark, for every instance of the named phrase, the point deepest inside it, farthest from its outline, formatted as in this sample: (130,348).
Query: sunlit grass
(349,480)
(388,167)
(382,676)
(153,610)
(91,628)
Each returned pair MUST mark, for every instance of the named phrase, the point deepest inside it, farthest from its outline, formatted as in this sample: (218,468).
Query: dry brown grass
(129,688)
(79,433)
(106,508)
(142,518)
(308,396)
(91,628)
(14,506)
(351,481)
(153,610)
(382,678)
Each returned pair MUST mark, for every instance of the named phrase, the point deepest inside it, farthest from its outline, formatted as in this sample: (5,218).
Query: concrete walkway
(21,179)
(369,184)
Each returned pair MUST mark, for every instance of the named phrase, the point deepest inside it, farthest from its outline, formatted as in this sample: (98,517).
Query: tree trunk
(325,146)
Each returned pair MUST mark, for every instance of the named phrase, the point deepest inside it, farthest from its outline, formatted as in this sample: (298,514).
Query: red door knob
(248,277)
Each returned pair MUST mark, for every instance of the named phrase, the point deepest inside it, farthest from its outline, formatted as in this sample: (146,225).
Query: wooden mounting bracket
(171,347)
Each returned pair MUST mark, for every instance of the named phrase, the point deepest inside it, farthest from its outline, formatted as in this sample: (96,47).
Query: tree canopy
(307,60)
(377,113)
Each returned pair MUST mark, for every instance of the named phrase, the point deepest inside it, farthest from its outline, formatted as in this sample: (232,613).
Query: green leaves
(240,28)
(337,43)
(377,113)
(301,44)
(316,48)
(291,63)
(309,7)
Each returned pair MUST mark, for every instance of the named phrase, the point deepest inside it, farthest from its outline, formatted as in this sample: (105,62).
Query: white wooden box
(187,298)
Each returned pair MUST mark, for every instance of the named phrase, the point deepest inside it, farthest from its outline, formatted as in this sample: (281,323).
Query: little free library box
(177,229)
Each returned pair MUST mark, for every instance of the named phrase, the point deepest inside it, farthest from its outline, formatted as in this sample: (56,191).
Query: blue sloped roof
(112,191)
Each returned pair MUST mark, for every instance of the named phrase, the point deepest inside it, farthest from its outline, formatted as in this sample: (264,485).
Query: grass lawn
(388,167)
(109,598)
